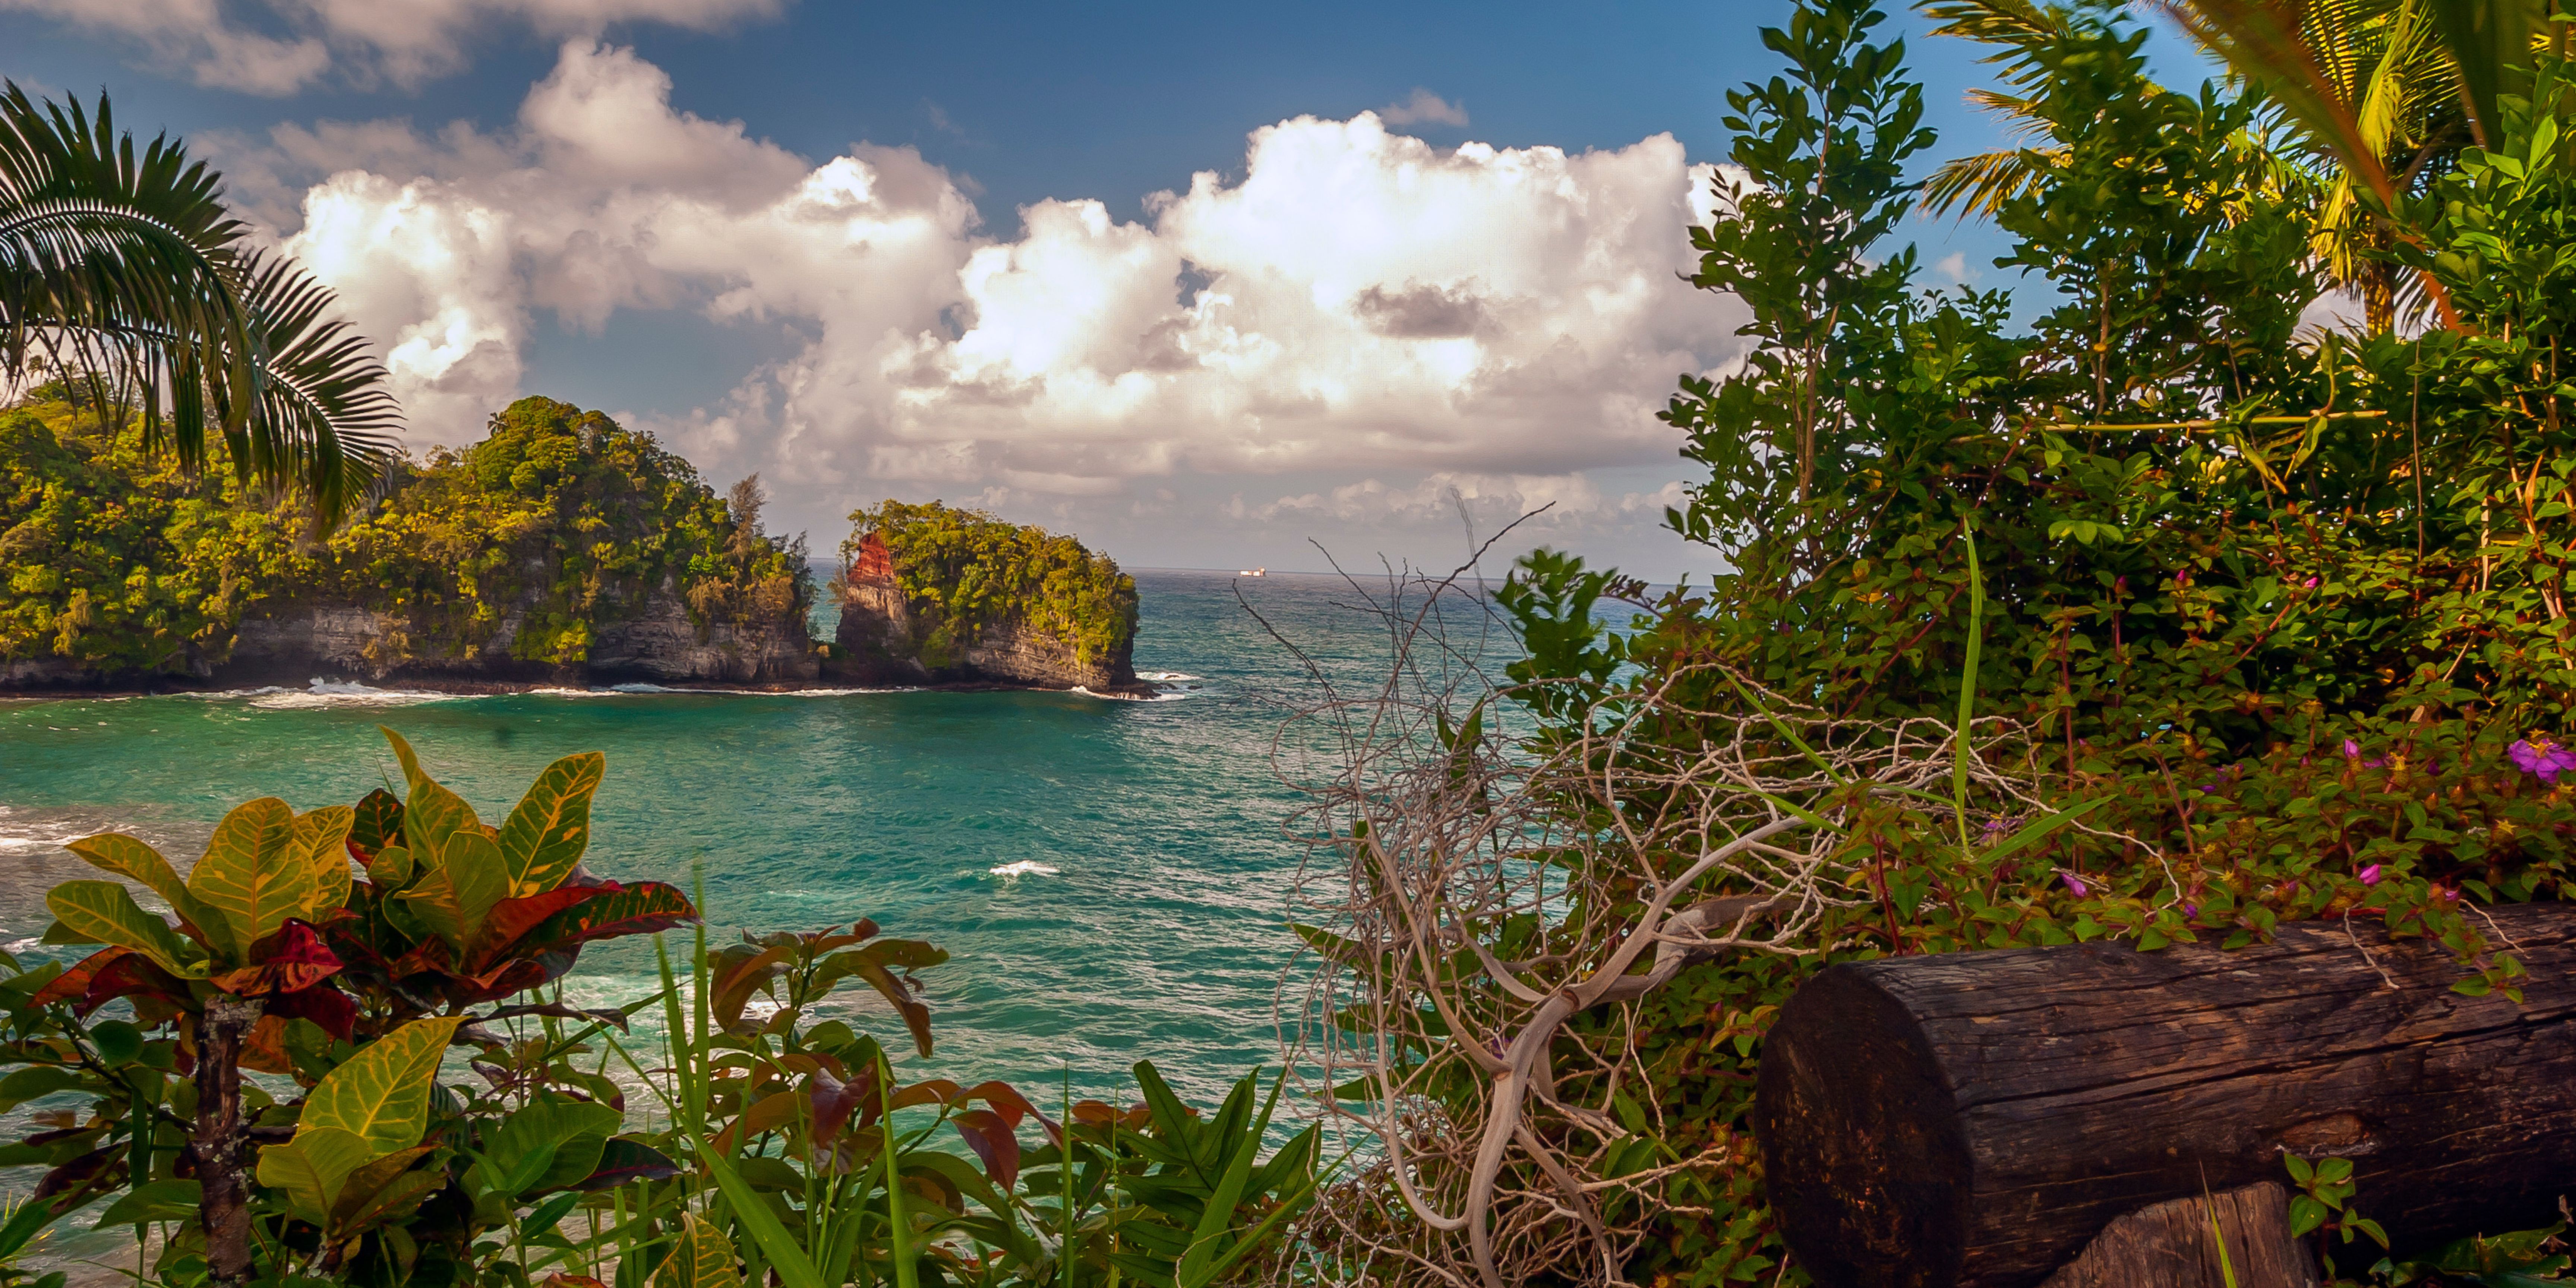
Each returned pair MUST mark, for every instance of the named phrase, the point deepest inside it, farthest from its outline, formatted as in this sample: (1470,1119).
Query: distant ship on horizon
(1253,572)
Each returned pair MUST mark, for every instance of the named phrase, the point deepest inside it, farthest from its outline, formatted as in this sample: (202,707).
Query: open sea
(1111,878)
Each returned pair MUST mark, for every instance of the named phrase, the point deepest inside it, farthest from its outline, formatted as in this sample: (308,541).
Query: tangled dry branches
(1472,889)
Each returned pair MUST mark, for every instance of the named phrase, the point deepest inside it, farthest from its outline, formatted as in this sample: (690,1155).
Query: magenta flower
(2312,583)
(2370,875)
(2074,883)
(2351,749)
(2541,757)
(2191,910)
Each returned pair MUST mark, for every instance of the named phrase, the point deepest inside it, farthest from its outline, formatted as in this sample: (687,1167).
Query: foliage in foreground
(964,570)
(124,563)
(762,1148)
(2166,618)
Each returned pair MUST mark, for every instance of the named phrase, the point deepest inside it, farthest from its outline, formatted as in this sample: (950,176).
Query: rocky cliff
(563,549)
(937,595)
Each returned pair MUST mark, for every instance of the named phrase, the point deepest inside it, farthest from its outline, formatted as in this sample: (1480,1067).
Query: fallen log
(1976,1119)
(2238,1239)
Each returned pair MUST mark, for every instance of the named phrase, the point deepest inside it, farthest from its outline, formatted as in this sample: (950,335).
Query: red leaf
(511,919)
(992,1141)
(132,975)
(75,982)
(638,909)
(836,1103)
(334,1010)
(293,958)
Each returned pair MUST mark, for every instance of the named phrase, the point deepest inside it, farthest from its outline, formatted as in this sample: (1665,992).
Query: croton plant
(285,962)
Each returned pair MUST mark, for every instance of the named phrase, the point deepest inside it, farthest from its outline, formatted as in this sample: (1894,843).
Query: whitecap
(1024,868)
(1164,677)
(321,693)
(1121,697)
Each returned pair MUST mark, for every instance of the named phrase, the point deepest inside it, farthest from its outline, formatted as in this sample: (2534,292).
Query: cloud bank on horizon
(1413,329)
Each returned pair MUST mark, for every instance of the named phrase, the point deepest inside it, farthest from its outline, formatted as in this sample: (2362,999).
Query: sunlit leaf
(545,836)
(140,863)
(382,1093)
(103,913)
(254,875)
(703,1259)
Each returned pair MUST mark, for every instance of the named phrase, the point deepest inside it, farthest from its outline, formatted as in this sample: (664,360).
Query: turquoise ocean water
(1110,877)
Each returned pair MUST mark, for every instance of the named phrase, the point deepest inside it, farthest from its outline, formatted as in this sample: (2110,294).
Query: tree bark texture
(224,1206)
(1975,1119)
(2171,1245)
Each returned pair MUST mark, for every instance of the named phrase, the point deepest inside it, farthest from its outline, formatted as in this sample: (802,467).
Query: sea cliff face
(932,594)
(291,644)
(657,645)
(881,639)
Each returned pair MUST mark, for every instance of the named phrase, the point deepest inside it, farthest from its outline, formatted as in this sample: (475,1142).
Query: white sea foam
(1024,868)
(322,693)
(1121,697)
(1164,677)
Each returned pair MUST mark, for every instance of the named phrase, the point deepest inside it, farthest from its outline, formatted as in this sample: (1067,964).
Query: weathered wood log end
(2168,1245)
(1974,1120)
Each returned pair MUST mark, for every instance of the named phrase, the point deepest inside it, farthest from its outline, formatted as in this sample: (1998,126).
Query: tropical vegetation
(125,563)
(963,571)
(2176,613)
(126,271)
(436,1112)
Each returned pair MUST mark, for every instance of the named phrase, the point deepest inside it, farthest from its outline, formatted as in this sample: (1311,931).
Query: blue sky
(1324,341)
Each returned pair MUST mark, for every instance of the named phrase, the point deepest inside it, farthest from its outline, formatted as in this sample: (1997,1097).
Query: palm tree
(2380,95)
(127,270)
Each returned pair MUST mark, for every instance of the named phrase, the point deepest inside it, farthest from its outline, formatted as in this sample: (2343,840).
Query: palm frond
(125,268)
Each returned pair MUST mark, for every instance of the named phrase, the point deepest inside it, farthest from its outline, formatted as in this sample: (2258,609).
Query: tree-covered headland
(961,572)
(126,565)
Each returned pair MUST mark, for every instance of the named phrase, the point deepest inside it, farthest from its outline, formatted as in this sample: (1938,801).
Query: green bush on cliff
(119,562)
(116,559)
(574,518)
(972,570)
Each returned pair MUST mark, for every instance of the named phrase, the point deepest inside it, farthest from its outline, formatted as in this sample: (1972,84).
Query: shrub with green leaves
(964,571)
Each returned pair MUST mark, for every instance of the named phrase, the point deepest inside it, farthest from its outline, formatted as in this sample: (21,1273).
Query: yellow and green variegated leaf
(132,859)
(322,838)
(480,878)
(381,1094)
(549,830)
(412,774)
(703,1259)
(103,912)
(432,820)
(392,869)
(313,1168)
(253,875)
(431,901)
(454,899)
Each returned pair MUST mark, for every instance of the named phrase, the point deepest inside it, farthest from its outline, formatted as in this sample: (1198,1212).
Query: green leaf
(703,1258)
(1197,1266)
(382,1093)
(551,1143)
(312,1168)
(255,875)
(786,1258)
(101,912)
(547,833)
(382,1187)
(2306,1214)
(457,896)
(152,1201)
(140,863)
(35,1082)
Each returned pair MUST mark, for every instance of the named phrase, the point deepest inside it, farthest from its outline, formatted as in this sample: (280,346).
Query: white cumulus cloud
(1489,322)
